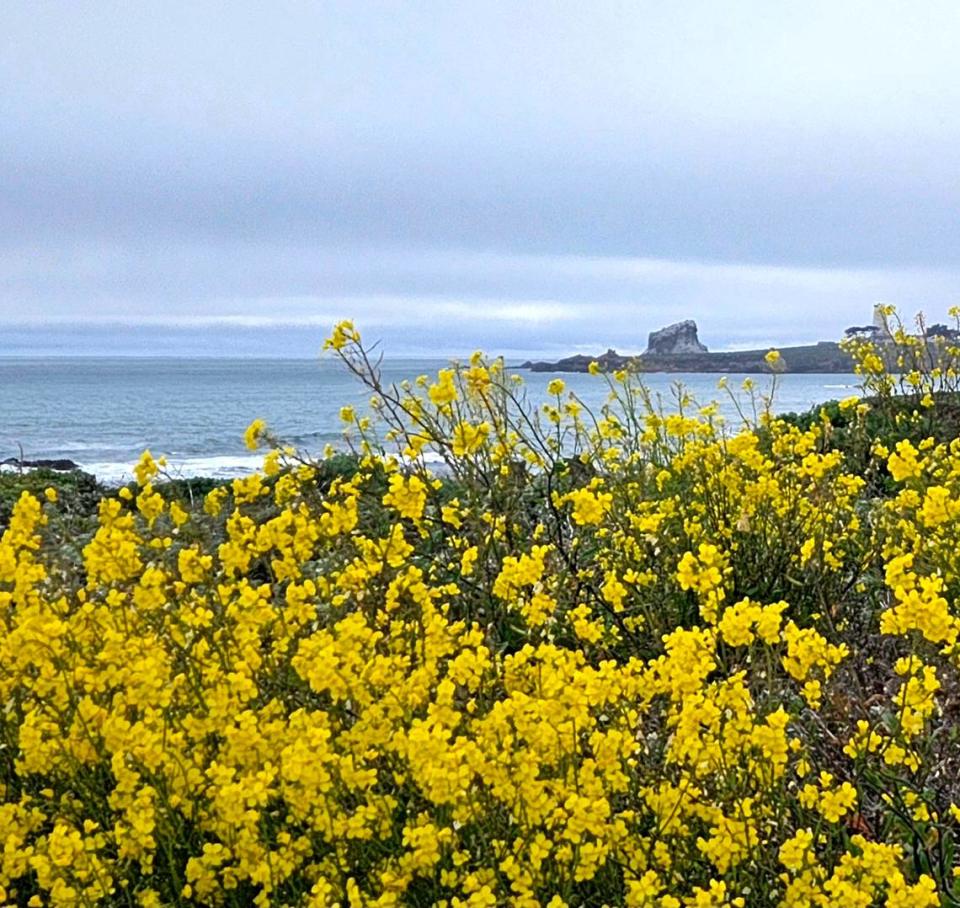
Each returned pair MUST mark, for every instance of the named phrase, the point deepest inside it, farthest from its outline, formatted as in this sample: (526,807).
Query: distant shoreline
(826,357)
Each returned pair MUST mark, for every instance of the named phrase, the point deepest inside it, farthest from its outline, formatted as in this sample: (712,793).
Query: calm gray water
(102,412)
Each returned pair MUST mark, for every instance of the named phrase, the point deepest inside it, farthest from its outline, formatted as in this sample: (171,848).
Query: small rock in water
(61,464)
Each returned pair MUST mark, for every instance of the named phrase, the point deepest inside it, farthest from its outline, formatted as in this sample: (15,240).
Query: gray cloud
(456,300)
(582,171)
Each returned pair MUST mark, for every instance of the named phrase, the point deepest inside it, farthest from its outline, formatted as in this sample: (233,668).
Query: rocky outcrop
(61,464)
(608,362)
(677,348)
(678,339)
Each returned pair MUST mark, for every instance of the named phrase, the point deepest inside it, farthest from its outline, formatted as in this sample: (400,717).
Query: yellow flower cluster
(618,658)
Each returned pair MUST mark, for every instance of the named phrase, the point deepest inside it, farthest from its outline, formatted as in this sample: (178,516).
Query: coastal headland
(825,357)
(677,348)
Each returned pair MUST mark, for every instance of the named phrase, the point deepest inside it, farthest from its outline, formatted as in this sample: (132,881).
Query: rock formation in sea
(680,338)
(59,463)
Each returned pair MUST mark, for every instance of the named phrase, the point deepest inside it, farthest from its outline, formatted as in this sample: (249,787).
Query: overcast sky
(521,175)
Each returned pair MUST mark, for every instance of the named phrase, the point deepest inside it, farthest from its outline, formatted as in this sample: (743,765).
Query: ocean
(102,412)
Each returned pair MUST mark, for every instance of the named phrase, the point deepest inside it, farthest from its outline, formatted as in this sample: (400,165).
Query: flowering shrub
(615,657)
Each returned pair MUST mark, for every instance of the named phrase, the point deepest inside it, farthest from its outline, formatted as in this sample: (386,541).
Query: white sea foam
(71,446)
(214,467)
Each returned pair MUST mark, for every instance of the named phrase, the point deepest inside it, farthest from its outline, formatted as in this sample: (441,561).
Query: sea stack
(675,339)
